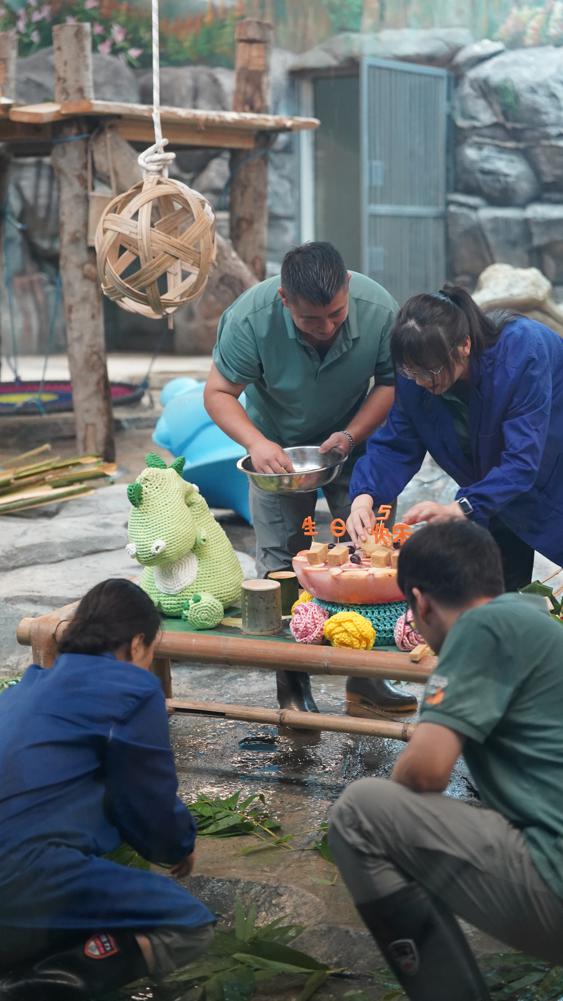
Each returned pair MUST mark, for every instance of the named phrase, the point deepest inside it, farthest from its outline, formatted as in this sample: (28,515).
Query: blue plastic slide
(185,428)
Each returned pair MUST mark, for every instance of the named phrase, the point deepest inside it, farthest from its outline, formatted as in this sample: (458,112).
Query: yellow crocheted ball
(304,596)
(350,629)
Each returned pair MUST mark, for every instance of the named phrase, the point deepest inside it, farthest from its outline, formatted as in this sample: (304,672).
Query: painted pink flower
(105,47)
(90,4)
(70,20)
(118,33)
(21,22)
(36,16)
(134,53)
(98,29)
(35,36)
(46,10)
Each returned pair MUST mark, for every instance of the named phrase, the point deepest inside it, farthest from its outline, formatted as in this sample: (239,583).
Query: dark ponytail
(431,328)
(108,617)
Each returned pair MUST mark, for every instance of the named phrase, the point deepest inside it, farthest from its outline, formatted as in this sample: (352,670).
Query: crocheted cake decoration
(382,617)
(351,630)
(191,569)
(405,632)
(307,622)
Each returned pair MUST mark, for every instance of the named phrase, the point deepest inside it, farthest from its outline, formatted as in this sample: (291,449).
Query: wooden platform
(33,123)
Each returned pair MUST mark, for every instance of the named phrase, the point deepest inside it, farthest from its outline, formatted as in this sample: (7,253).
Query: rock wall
(507,205)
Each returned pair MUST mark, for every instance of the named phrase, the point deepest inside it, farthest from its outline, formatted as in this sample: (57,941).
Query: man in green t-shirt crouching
(305,347)
(411,857)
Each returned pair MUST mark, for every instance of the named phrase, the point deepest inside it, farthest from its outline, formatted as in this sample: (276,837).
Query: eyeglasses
(429,375)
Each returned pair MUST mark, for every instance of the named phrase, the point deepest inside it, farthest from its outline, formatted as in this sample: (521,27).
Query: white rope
(154,160)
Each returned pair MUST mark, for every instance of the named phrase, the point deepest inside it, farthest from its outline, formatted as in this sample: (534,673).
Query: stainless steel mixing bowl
(311,471)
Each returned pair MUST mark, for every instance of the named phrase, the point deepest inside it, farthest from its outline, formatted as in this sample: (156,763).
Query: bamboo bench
(226,647)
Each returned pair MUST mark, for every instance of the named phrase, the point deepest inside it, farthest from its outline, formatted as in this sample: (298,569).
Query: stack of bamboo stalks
(32,480)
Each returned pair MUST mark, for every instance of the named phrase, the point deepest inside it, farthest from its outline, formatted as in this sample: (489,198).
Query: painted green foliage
(191,569)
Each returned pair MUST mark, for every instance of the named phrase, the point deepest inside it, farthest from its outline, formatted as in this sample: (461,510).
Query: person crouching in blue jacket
(483,394)
(86,765)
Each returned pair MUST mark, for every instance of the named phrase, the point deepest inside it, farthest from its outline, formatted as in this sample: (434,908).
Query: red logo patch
(101,946)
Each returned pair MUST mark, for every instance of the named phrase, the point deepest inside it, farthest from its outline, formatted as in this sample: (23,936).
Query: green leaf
(278,953)
(245,924)
(315,981)
(257,963)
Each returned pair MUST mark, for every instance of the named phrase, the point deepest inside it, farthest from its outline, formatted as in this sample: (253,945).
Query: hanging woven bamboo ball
(155,246)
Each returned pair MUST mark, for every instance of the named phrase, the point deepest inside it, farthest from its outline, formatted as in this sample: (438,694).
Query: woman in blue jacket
(86,764)
(483,394)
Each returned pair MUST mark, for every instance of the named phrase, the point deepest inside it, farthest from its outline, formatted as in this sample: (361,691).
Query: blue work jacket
(516,429)
(85,764)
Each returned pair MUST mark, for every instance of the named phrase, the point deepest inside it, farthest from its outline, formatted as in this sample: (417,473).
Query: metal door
(403,134)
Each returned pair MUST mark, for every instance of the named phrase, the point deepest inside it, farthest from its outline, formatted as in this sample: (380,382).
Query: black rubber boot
(102,963)
(424,946)
(374,697)
(294,691)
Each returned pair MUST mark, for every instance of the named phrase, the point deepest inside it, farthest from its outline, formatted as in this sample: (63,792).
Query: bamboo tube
(289,588)
(295,719)
(260,602)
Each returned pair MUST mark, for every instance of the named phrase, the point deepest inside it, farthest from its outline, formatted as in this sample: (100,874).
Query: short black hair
(453,562)
(108,617)
(314,272)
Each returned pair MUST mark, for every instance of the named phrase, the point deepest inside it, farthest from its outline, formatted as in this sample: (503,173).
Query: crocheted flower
(405,633)
(350,629)
(307,622)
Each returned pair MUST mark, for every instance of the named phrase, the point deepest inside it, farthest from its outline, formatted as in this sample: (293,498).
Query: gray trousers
(278,519)
(384,836)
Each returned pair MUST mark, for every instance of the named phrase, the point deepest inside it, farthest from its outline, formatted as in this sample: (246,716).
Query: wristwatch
(466,506)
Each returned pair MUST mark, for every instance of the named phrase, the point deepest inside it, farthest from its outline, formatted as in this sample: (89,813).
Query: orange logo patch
(435,698)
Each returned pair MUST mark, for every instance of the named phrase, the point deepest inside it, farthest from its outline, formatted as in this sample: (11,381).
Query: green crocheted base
(382,617)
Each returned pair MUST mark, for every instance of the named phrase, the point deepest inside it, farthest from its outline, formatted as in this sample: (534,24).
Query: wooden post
(249,172)
(161,667)
(82,299)
(8,53)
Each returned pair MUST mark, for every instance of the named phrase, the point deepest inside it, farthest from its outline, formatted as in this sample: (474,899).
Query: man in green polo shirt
(413,858)
(305,347)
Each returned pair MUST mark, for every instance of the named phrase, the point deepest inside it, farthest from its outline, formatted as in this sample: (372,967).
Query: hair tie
(443,297)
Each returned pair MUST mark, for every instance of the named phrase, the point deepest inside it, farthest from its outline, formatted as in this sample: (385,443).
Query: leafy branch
(241,960)
(232,816)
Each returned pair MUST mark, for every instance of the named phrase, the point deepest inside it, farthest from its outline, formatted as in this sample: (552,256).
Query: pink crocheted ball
(307,623)
(405,633)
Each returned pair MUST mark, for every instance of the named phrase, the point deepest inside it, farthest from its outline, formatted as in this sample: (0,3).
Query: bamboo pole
(251,654)
(269,655)
(81,296)
(295,719)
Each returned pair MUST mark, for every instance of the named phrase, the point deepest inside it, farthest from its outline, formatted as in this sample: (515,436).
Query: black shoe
(374,697)
(294,691)
(103,963)
(424,946)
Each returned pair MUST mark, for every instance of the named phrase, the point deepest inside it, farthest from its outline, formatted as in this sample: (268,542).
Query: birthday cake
(342,574)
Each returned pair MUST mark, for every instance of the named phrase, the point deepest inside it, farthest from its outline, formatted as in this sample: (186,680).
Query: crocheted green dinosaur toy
(191,569)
